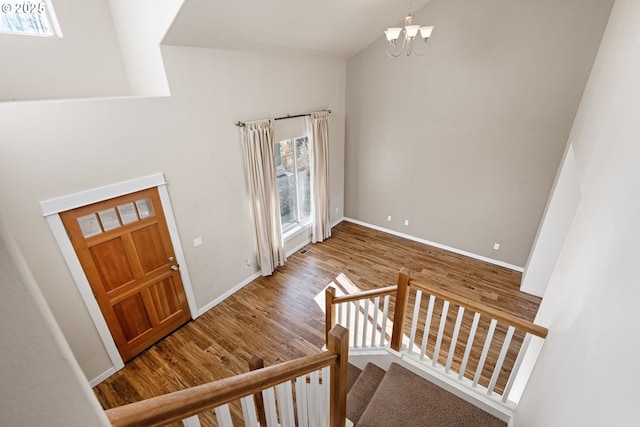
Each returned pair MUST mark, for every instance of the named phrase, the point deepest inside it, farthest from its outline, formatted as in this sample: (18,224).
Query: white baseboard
(531,291)
(438,245)
(103,376)
(228,293)
(297,248)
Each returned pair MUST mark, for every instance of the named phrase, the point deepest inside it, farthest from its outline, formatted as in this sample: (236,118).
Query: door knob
(174,267)
(171,259)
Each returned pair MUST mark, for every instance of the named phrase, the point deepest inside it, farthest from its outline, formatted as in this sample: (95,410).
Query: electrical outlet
(197,242)
(406,222)
(247,262)
(389,218)
(496,246)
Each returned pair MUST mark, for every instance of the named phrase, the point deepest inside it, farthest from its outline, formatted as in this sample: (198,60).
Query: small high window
(28,17)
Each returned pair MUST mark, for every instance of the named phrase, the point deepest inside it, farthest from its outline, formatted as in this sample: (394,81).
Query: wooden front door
(125,250)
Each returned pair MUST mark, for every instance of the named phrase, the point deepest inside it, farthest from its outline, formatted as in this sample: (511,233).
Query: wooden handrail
(181,404)
(501,316)
(389,290)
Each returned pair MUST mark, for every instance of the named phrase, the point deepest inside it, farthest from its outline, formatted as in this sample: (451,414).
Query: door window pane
(109,219)
(145,208)
(127,213)
(89,225)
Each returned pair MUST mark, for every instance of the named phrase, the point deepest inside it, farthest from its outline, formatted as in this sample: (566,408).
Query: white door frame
(51,210)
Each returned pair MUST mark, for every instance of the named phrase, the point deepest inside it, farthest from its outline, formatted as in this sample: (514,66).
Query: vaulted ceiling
(338,28)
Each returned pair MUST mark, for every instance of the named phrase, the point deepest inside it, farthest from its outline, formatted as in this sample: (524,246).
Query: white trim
(103,376)
(177,248)
(438,245)
(228,293)
(297,248)
(82,283)
(51,209)
(531,291)
(95,195)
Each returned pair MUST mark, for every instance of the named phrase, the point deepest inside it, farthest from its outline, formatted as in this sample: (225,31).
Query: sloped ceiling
(338,28)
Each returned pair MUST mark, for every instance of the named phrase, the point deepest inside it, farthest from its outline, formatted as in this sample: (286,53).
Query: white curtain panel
(318,129)
(259,156)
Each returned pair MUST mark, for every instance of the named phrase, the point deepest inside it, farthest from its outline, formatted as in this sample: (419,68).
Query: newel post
(399,314)
(338,343)
(330,311)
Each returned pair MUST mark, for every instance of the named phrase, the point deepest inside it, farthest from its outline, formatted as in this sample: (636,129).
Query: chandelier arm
(393,50)
(424,48)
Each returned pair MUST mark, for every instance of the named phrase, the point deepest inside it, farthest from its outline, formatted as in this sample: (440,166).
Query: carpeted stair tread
(404,399)
(353,372)
(362,391)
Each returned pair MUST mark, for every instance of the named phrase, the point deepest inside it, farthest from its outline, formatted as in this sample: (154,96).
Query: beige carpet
(404,399)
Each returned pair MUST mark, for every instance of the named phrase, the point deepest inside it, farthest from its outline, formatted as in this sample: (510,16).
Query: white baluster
(454,338)
(301,401)
(427,327)
(385,316)
(443,321)
(516,367)
(365,322)
(269,398)
(223,416)
(503,354)
(414,320)
(285,404)
(192,421)
(467,351)
(356,323)
(374,330)
(485,351)
(325,393)
(249,412)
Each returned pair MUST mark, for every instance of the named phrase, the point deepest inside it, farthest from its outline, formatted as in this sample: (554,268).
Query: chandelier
(409,33)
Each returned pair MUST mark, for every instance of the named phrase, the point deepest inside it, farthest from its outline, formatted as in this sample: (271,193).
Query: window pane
(109,219)
(24,18)
(304,177)
(286,181)
(145,208)
(89,225)
(127,213)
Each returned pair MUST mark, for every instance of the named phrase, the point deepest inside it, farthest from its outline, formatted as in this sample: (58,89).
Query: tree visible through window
(294,181)
(31,18)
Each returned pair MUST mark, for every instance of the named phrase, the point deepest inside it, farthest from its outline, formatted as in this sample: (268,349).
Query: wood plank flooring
(277,317)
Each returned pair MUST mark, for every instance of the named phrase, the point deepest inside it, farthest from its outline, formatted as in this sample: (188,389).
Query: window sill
(295,231)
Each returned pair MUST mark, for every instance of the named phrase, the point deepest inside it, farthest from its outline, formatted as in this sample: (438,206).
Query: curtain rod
(288,116)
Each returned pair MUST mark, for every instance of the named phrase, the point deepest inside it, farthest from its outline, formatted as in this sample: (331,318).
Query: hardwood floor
(277,317)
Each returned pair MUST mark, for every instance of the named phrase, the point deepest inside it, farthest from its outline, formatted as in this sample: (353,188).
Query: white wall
(140,26)
(190,137)
(561,208)
(42,383)
(586,374)
(85,62)
(465,141)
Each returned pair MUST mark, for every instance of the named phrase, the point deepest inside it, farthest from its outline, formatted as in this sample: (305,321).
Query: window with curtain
(293,172)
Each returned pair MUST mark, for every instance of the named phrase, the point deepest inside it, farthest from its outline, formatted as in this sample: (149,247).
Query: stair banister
(478,307)
(331,301)
(179,405)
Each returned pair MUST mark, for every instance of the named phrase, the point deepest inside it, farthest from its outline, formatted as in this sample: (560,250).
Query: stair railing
(273,381)
(363,313)
(480,342)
